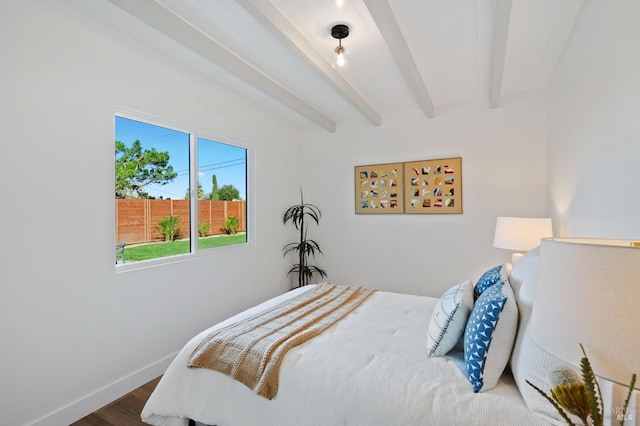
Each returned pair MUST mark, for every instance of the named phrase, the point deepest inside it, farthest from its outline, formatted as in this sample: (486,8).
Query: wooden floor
(123,412)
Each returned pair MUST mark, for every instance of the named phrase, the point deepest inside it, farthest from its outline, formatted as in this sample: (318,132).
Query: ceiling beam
(501,19)
(175,27)
(269,16)
(383,16)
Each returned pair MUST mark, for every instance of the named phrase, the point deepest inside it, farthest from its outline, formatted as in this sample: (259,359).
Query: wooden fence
(137,219)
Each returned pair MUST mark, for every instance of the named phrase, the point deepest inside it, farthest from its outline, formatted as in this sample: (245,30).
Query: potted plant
(583,398)
(305,247)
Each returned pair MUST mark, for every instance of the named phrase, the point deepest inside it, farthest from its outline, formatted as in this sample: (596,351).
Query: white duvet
(369,369)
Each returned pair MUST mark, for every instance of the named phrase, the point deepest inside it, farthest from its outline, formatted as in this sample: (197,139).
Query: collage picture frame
(416,187)
(379,189)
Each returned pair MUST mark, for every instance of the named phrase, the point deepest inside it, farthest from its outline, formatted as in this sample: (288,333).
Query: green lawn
(164,249)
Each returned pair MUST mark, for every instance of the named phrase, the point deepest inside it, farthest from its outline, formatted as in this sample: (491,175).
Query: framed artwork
(433,186)
(379,189)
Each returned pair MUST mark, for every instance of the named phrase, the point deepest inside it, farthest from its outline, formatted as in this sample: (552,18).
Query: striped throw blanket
(251,350)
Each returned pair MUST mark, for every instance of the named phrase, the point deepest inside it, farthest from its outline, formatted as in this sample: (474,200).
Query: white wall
(593,126)
(75,334)
(503,174)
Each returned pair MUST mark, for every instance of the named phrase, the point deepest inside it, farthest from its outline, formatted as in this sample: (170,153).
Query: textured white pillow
(449,319)
(489,336)
(524,269)
(528,361)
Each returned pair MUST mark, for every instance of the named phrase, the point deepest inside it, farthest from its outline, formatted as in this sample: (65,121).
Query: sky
(227,162)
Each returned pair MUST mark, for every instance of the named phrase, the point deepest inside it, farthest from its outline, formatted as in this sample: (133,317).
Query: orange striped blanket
(251,350)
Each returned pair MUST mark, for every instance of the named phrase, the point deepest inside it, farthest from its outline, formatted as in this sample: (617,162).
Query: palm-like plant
(231,225)
(305,247)
(169,226)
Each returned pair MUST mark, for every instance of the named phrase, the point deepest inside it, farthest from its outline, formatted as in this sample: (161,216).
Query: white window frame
(194,133)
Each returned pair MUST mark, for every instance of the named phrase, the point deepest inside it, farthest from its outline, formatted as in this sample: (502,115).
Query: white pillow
(528,361)
(449,319)
(489,336)
(524,269)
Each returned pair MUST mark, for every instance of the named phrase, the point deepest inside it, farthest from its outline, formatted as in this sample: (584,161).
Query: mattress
(371,368)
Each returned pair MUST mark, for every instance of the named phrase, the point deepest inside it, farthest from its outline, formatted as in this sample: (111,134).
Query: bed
(369,368)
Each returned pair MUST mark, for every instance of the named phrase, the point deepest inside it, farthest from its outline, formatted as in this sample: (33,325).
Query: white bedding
(369,369)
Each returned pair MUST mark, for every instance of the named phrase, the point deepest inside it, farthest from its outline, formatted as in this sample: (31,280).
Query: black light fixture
(339,31)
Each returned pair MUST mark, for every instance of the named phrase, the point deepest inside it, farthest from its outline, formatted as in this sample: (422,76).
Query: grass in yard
(164,249)
(223,240)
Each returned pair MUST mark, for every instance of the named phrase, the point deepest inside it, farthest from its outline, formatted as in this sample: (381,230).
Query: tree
(136,168)
(214,188)
(228,193)
(187,195)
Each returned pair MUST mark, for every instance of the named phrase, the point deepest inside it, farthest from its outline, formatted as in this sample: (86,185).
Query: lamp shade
(588,293)
(521,233)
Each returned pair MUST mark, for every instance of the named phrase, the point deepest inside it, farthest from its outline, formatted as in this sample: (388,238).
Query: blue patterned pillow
(489,336)
(489,278)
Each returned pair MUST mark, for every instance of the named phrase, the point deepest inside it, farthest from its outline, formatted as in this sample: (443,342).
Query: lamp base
(516,256)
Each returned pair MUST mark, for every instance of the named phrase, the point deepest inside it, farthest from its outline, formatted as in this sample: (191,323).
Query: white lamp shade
(588,293)
(521,233)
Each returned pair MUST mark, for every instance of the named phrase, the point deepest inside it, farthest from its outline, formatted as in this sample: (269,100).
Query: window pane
(152,191)
(222,193)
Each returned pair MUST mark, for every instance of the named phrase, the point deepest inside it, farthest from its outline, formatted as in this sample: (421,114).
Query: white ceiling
(403,54)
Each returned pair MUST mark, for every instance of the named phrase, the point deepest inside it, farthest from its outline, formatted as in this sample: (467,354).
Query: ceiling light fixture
(339,31)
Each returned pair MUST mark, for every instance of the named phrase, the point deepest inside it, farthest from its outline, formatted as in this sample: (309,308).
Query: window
(176,193)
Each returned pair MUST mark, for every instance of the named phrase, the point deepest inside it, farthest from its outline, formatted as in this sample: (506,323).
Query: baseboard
(103,396)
